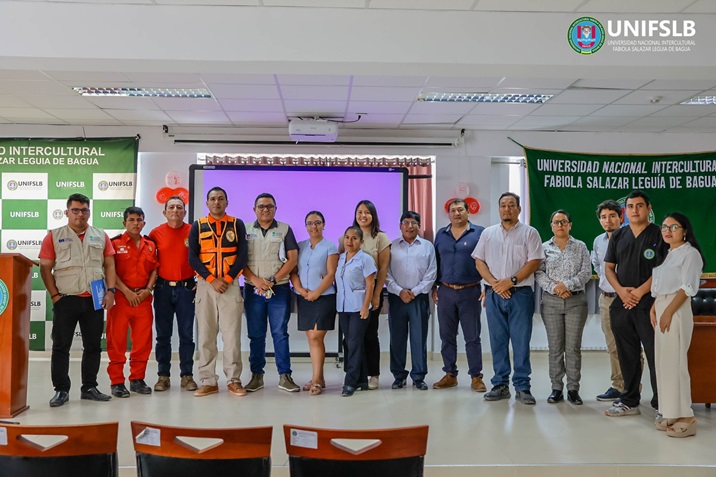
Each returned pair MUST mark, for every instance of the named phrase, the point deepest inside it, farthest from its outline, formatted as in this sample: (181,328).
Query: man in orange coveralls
(136,264)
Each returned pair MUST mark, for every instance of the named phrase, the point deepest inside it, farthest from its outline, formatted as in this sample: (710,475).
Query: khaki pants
(217,312)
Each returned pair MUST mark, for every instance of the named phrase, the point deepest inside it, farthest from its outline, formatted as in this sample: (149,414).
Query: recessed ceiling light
(438,97)
(700,100)
(143,92)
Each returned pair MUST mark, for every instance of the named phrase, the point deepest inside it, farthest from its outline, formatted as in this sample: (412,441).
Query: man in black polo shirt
(632,253)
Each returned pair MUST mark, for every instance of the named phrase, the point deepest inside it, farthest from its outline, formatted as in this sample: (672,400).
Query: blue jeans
(511,320)
(277,310)
(168,301)
(409,319)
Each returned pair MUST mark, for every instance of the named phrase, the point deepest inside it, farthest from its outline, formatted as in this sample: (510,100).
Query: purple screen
(298,190)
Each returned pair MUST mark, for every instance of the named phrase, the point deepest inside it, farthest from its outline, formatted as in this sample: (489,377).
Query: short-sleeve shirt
(173,251)
(506,251)
(374,245)
(350,281)
(312,263)
(681,270)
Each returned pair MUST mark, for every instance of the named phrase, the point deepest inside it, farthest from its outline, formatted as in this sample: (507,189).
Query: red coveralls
(134,266)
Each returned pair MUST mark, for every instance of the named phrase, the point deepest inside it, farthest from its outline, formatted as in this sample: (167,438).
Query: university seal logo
(4,297)
(103,186)
(12,185)
(57,214)
(585,35)
(11,244)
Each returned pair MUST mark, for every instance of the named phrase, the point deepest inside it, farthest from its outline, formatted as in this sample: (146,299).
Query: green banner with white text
(578,182)
(36,177)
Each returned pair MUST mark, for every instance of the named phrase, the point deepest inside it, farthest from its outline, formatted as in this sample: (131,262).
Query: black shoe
(139,386)
(573,397)
(398,383)
(348,391)
(362,387)
(501,391)
(59,398)
(556,396)
(93,394)
(420,385)
(119,390)
(525,397)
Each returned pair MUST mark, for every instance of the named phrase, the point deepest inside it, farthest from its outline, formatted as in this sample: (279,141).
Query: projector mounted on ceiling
(312,130)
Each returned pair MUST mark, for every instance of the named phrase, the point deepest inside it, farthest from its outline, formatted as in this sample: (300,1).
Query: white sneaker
(620,410)
(373,383)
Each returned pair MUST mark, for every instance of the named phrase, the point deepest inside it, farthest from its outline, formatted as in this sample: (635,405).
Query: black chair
(182,452)
(356,453)
(89,450)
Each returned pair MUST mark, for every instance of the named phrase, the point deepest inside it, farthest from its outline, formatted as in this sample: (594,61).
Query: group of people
(193,270)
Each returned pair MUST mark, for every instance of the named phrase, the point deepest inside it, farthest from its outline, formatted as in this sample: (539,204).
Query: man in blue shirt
(411,275)
(457,294)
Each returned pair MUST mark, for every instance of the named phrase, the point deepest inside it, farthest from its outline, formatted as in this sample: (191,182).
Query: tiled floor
(468,436)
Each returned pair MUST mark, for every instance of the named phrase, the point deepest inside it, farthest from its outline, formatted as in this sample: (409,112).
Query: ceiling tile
(238,91)
(23,113)
(400,81)
(137,115)
(545,121)
(701,6)
(41,87)
(315,3)
(87,78)
(367,93)
(536,83)
(321,93)
(565,109)
(529,5)
(423,4)
(78,114)
(314,80)
(380,107)
(60,102)
(682,110)
(504,109)
(212,2)
(24,75)
(315,108)
(432,118)
(479,120)
(620,6)
(261,105)
(665,97)
(221,78)
(187,104)
(709,122)
(49,121)
(257,118)
(462,82)
(660,121)
(605,121)
(681,85)
(374,119)
(429,107)
(122,103)
(9,101)
(177,79)
(588,96)
(199,117)
(628,110)
(611,83)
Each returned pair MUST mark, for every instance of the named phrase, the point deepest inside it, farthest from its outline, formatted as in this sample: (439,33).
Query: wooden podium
(15,294)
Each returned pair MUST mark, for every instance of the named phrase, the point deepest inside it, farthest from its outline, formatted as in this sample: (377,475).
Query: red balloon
(473,205)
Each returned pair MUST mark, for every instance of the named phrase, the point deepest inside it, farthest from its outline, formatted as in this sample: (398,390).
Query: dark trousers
(372,345)
(409,318)
(632,329)
(169,301)
(67,312)
(460,308)
(354,328)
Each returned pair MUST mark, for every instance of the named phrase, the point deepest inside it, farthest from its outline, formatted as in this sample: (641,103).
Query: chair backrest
(180,451)
(359,453)
(89,450)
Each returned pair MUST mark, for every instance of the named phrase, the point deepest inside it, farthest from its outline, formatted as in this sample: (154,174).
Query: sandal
(682,429)
(316,389)
(664,424)
(307,386)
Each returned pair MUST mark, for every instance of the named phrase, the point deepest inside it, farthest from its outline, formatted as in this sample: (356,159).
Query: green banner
(36,177)
(577,183)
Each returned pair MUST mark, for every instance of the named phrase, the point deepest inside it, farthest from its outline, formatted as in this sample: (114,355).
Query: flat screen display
(334,191)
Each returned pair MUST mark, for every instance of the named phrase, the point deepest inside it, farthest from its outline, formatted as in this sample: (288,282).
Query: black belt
(460,287)
(609,295)
(188,283)
(489,287)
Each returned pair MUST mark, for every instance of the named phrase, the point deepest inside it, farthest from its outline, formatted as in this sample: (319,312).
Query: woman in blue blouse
(562,276)
(312,280)
(355,280)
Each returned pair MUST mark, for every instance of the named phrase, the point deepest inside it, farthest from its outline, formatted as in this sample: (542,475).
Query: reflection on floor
(468,436)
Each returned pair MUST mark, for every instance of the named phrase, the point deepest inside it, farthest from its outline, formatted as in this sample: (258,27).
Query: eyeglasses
(560,223)
(410,223)
(673,228)
(80,211)
(266,207)
(317,223)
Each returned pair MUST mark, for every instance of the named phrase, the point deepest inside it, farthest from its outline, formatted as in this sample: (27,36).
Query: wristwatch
(272,279)
(514,280)
(113,290)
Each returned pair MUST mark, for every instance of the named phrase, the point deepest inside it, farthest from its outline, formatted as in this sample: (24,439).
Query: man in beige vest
(273,253)
(71,258)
